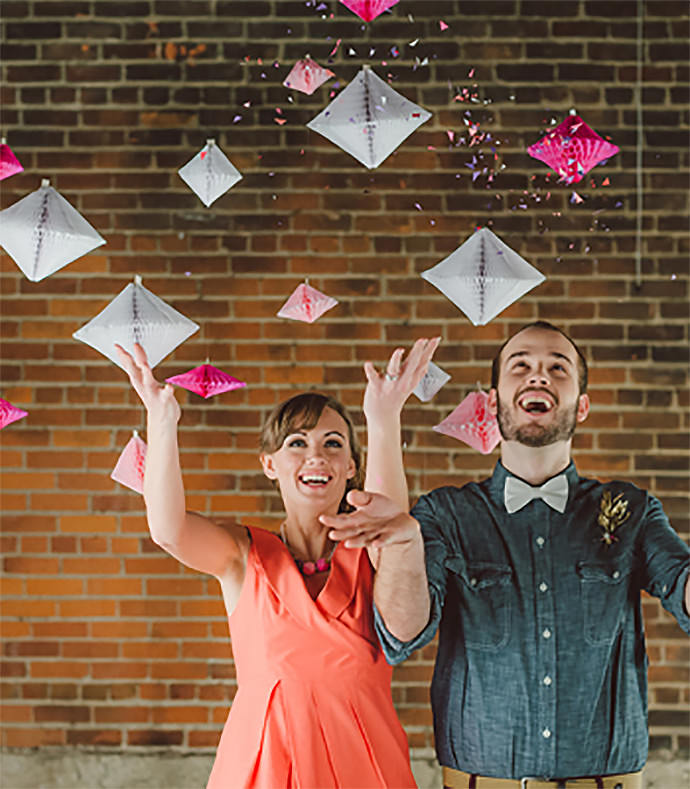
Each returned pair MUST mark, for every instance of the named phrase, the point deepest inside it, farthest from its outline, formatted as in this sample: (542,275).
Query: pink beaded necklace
(308,567)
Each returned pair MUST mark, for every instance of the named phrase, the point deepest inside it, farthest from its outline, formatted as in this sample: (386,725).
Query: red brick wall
(109,642)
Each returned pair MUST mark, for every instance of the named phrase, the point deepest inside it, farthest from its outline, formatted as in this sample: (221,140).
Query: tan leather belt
(457,779)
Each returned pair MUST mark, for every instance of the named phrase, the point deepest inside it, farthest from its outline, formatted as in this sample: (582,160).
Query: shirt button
(546,633)
(543,587)
(547,680)
(473,581)
(546,733)
(616,574)
(540,541)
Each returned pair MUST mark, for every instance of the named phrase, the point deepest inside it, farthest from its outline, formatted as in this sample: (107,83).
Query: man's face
(537,402)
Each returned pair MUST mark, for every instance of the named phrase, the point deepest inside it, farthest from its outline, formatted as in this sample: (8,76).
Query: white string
(640,142)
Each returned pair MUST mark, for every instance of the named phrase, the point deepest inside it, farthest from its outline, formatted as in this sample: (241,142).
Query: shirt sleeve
(665,562)
(435,552)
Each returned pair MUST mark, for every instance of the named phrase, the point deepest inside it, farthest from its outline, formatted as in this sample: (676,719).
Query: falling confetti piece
(442,25)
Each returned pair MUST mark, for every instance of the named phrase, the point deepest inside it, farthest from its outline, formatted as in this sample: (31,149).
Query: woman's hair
(302,412)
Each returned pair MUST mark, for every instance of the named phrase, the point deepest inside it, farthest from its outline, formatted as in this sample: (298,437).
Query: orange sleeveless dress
(313,708)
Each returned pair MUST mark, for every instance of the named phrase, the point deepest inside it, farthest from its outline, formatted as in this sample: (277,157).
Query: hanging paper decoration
(434,379)
(572,149)
(473,423)
(483,276)
(210,173)
(368,9)
(306,304)
(206,381)
(137,315)
(306,76)
(129,469)
(368,119)
(42,233)
(9,164)
(9,413)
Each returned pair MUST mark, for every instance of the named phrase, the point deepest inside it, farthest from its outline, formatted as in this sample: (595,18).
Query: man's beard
(536,435)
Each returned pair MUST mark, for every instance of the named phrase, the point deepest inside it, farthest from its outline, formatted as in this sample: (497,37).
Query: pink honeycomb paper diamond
(129,469)
(306,304)
(206,381)
(473,423)
(368,9)
(9,413)
(306,76)
(572,149)
(9,164)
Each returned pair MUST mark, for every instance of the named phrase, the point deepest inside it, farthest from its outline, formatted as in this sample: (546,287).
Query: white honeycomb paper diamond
(369,119)
(483,276)
(137,315)
(42,233)
(210,173)
(434,379)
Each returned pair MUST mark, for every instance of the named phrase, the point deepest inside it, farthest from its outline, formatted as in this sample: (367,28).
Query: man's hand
(376,522)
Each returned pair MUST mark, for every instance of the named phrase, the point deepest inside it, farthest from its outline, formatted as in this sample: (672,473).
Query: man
(533,577)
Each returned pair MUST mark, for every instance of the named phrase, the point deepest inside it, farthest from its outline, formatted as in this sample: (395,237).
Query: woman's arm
(384,399)
(197,541)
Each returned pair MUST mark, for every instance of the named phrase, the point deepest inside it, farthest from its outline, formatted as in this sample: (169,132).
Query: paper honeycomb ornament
(483,276)
(210,173)
(368,119)
(9,164)
(129,469)
(473,423)
(572,149)
(306,304)
(137,315)
(206,381)
(434,379)
(368,9)
(306,76)
(42,233)
(9,413)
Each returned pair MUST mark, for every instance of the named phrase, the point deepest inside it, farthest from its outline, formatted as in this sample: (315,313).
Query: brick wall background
(107,641)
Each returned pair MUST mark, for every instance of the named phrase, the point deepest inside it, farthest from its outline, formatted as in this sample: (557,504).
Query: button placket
(546,642)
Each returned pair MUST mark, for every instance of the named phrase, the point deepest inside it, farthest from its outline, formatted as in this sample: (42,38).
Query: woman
(313,708)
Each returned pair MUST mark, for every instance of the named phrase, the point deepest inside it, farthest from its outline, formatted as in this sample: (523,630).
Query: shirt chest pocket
(483,601)
(604,594)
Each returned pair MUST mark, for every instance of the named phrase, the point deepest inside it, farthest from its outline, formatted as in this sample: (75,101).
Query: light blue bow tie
(554,492)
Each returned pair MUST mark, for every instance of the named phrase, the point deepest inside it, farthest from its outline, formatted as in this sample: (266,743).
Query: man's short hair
(582,362)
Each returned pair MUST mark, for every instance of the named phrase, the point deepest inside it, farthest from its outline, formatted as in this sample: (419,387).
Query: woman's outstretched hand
(158,399)
(386,393)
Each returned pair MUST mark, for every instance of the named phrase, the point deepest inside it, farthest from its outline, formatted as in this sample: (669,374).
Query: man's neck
(535,464)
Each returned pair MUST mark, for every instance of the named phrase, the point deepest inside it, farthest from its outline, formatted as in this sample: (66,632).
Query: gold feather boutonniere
(613,512)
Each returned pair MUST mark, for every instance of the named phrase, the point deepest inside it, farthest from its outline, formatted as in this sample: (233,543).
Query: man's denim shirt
(541,667)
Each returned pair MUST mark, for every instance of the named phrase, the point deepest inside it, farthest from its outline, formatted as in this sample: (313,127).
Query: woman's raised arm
(195,540)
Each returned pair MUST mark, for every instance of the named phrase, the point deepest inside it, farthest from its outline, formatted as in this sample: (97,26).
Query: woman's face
(313,465)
